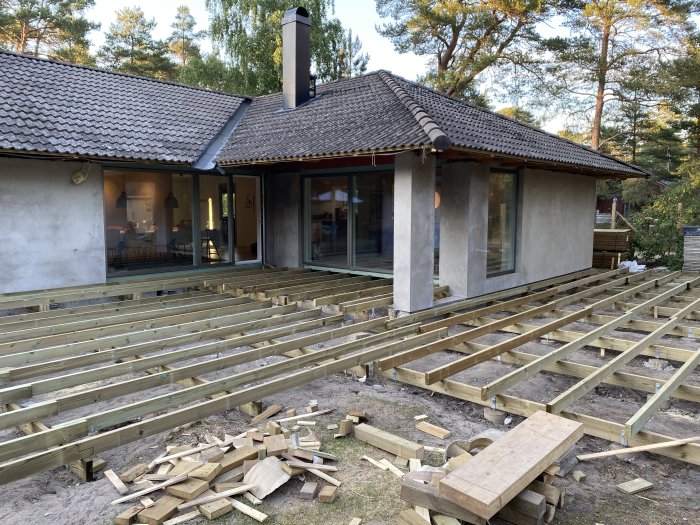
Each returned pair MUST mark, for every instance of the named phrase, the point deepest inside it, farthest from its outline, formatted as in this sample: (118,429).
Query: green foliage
(596,65)
(519,114)
(130,48)
(210,72)
(183,39)
(250,34)
(54,28)
(659,236)
(464,39)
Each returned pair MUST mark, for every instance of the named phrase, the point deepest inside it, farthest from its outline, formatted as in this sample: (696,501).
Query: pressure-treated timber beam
(132,343)
(187,353)
(584,386)
(43,386)
(298,293)
(569,368)
(644,414)
(95,333)
(464,363)
(327,295)
(76,323)
(593,426)
(116,416)
(115,289)
(580,279)
(162,375)
(92,311)
(98,421)
(88,446)
(511,379)
(339,297)
(150,340)
(661,351)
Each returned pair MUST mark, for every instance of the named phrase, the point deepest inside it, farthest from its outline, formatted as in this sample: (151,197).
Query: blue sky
(360,15)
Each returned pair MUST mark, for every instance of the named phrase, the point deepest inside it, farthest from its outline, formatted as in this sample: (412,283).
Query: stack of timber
(502,479)
(610,247)
(691,248)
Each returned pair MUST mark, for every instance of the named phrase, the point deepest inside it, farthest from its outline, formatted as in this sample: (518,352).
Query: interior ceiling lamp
(122,199)
(170,200)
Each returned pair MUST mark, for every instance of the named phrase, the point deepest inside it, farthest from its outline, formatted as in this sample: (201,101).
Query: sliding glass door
(156,220)
(327,221)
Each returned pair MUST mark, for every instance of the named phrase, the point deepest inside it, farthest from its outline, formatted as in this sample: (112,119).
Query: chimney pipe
(296,57)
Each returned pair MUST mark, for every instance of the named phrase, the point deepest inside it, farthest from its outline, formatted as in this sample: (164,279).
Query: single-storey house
(104,174)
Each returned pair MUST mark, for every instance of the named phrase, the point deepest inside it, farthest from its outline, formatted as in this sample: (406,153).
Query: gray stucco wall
(52,230)
(283,227)
(554,228)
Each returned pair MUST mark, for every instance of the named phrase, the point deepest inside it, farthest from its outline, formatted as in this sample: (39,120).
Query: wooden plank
(645,413)
(165,507)
(206,499)
(433,430)
(518,457)
(118,484)
(128,516)
(248,511)
(177,520)
(641,448)
(409,517)
(328,494)
(634,486)
(324,476)
(134,472)
(267,413)
(389,442)
(187,489)
(568,397)
(215,509)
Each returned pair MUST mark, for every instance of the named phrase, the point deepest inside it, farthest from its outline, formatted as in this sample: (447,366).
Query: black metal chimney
(296,57)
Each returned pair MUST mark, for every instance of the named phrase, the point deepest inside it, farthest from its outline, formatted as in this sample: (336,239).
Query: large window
(157,220)
(501,223)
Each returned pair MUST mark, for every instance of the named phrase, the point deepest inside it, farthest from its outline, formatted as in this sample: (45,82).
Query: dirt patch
(56,497)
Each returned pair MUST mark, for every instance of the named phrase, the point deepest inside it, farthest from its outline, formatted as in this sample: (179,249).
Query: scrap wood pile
(205,480)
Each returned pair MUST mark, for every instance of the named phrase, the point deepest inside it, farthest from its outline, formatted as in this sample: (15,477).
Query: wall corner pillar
(414,231)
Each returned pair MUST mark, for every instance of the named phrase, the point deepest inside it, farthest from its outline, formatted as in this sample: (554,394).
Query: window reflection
(501,223)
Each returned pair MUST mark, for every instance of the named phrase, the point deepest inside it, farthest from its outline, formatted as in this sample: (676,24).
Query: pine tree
(130,48)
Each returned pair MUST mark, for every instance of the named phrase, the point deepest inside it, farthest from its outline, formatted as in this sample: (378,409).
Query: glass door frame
(195,219)
(351,258)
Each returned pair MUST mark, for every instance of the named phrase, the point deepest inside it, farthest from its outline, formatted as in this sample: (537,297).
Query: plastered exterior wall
(283,226)
(554,228)
(52,230)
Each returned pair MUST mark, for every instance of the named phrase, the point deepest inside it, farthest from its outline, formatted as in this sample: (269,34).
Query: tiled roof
(59,108)
(53,107)
(380,111)
(474,127)
(355,115)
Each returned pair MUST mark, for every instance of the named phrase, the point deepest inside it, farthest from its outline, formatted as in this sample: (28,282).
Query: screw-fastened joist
(586,385)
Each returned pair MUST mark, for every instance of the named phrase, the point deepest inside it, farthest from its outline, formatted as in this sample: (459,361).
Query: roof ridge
(436,135)
(526,125)
(119,73)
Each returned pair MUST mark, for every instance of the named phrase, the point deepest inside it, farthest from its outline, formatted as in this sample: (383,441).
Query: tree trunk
(23,38)
(602,80)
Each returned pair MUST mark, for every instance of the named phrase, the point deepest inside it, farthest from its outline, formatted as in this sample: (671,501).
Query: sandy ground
(55,497)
